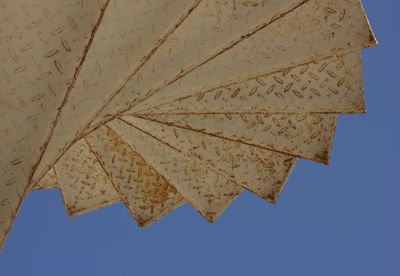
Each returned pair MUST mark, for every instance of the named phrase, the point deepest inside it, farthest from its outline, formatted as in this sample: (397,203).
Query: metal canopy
(157,103)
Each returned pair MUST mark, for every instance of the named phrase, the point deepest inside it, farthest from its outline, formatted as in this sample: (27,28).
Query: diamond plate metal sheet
(83,183)
(308,136)
(130,31)
(194,40)
(207,191)
(147,194)
(315,30)
(260,171)
(154,103)
(49,181)
(42,44)
(333,85)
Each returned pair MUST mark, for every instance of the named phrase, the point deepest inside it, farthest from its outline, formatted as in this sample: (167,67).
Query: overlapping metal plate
(42,45)
(307,136)
(260,171)
(49,181)
(178,32)
(154,103)
(145,192)
(332,85)
(208,191)
(129,33)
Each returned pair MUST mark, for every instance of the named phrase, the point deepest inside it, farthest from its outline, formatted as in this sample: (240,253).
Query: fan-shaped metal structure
(156,103)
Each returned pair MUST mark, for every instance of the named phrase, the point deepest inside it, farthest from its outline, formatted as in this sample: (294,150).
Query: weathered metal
(127,36)
(333,85)
(154,103)
(145,192)
(308,136)
(315,30)
(260,171)
(83,183)
(49,181)
(166,22)
(174,70)
(206,190)
(42,43)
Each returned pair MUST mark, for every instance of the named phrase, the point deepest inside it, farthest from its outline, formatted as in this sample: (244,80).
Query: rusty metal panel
(128,34)
(49,181)
(215,96)
(83,183)
(42,44)
(123,41)
(207,191)
(315,30)
(260,171)
(333,85)
(103,75)
(147,194)
(308,136)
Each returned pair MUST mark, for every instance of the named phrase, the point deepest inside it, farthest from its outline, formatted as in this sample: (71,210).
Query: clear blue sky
(338,220)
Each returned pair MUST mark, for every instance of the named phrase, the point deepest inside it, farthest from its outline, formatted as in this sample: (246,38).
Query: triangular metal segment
(83,183)
(207,191)
(308,136)
(147,194)
(127,37)
(49,181)
(333,85)
(316,30)
(261,171)
(42,45)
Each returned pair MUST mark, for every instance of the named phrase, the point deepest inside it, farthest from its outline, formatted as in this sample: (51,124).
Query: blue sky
(342,219)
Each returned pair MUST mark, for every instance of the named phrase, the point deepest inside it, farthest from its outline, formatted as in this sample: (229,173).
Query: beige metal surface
(129,33)
(147,194)
(41,46)
(316,30)
(154,103)
(49,181)
(308,136)
(260,171)
(83,183)
(225,24)
(333,85)
(207,191)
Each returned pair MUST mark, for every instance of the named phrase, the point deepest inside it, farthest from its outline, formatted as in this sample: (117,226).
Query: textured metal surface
(154,103)
(333,85)
(147,194)
(316,30)
(308,136)
(207,191)
(49,181)
(83,183)
(260,171)
(225,24)
(128,34)
(41,45)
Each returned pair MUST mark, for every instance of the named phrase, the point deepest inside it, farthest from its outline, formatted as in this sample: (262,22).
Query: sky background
(342,219)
